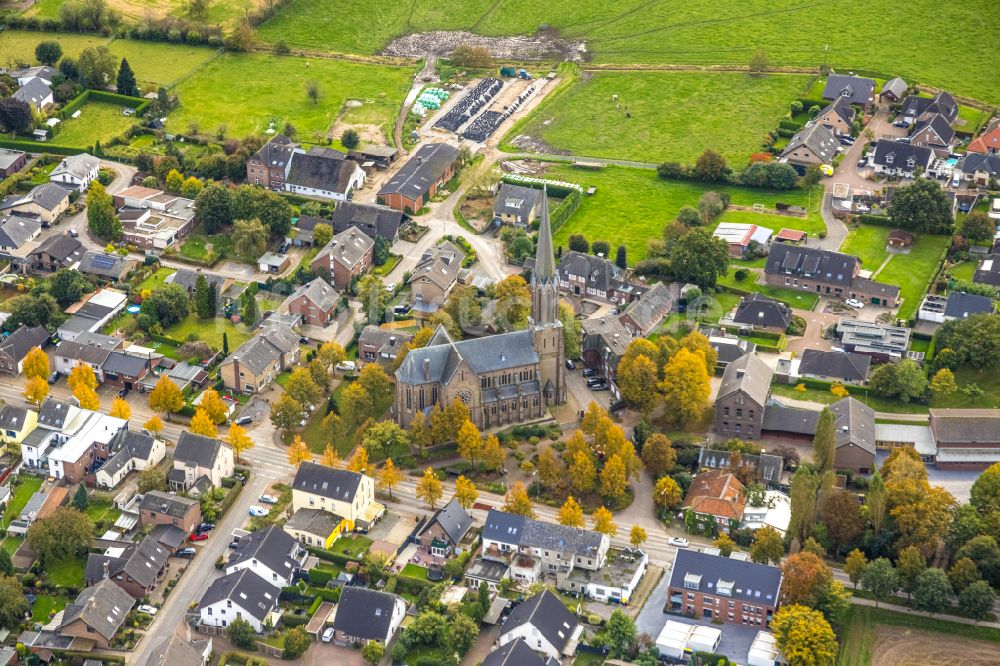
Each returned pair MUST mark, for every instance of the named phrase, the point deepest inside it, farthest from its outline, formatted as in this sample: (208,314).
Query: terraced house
(255,363)
(826,273)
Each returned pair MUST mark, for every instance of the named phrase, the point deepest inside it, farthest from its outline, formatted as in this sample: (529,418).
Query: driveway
(816,323)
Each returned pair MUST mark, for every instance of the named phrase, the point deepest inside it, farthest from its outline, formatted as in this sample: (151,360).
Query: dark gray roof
(314,521)
(142,562)
(383,339)
(752,582)
(872,287)
(942,103)
(197,450)
(93,310)
(338,484)
(245,589)
(855,424)
(973,162)
(515,200)
(364,613)
(172,505)
(125,446)
(372,219)
(607,334)
(276,153)
(856,89)
(844,365)
(750,375)
(527,532)
(105,265)
(348,247)
(440,264)
(24,339)
(599,272)
(321,172)
(174,651)
(939,125)
(896,86)
(16,230)
(484,355)
(453,519)
(43,71)
(759,310)
(899,155)
(92,339)
(833,267)
(33,92)
(53,412)
(322,295)
(961,305)
(103,606)
(120,363)
(49,196)
(548,615)
(65,249)
(187,278)
(790,419)
(424,168)
(270,546)
(264,348)
(12,417)
(965,426)
(988,272)
(651,307)
(170,536)
(819,139)
(842,107)
(515,653)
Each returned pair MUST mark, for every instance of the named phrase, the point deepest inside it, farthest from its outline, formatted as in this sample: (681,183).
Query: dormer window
(692,581)
(910,162)
(889,158)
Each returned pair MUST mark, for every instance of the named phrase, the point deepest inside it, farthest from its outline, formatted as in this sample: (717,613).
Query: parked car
(54,377)
(590,372)
(73,233)
(124,392)
(347,366)
(258,511)
(846,141)
(198,536)
(855,303)
(268,499)
(148,610)
(186,553)
(234,544)
(283,249)
(244,420)
(401,309)
(600,387)
(570,365)
(901,123)
(680,542)
(328,635)
(862,163)
(205,527)
(595,380)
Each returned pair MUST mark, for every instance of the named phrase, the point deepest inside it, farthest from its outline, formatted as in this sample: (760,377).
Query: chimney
(105,569)
(740,372)
(427,369)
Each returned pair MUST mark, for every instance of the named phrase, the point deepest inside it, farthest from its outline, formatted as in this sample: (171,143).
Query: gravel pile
(443,42)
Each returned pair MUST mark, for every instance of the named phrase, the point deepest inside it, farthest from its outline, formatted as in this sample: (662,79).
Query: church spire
(544,281)
(545,262)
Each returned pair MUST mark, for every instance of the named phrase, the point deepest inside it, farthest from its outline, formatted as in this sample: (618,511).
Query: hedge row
(330,556)
(293,620)
(875,220)
(165,339)
(565,210)
(30,146)
(788,123)
(320,577)
(558,191)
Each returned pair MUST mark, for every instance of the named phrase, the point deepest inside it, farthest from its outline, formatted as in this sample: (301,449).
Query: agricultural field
(98,121)
(155,64)
(706,33)
(636,203)
(249,92)
(666,116)
(220,12)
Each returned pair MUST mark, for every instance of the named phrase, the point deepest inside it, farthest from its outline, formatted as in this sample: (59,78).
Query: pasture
(248,92)
(98,121)
(667,116)
(632,206)
(220,12)
(706,33)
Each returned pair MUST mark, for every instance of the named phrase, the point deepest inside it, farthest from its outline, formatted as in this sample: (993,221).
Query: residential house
(838,117)
(35,93)
(197,457)
(433,278)
(371,219)
(107,267)
(516,653)
(491,572)
(160,508)
(957,305)
(728,347)
(270,553)
(16,346)
(987,143)
(827,273)
(47,202)
(11,161)
(773,510)
(16,423)
(757,312)
(760,466)
(56,252)
(899,239)
(24,74)
(545,624)
(723,589)
(539,551)
(739,405)
(136,568)
(893,90)
(742,238)
(854,423)
(642,316)
(988,272)
(595,277)
(896,158)
(255,363)
(302,233)
(380,345)
(314,527)
(17,230)
(855,89)
(966,438)
(241,595)
(604,343)
(74,449)
(444,532)
(153,219)
(934,132)
(716,497)
(348,254)
(365,615)
(77,171)
(811,146)
(176,651)
(979,169)
(347,494)
(916,108)
(316,302)
(188,279)
(97,614)
(880,341)
(282,165)
(53,415)
(516,205)
(427,170)
(831,366)
(92,313)
(71,353)
(129,451)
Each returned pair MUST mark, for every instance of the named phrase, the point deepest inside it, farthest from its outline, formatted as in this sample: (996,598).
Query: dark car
(901,123)
(283,249)
(862,163)
(205,527)
(846,141)
(244,420)
(590,372)
(54,377)
(570,365)
(186,553)
(600,387)
(124,392)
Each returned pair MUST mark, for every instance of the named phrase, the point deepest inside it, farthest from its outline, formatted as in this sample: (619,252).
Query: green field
(812,224)
(247,92)
(710,32)
(867,244)
(913,272)
(98,121)
(632,206)
(225,12)
(661,116)
(210,331)
(154,63)
(20,495)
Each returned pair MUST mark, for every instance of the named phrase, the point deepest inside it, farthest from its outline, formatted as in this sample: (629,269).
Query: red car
(201,536)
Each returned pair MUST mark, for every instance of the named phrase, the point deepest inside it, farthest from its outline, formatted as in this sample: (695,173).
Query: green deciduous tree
(933,592)
(101,217)
(65,533)
(921,206)
(768,546)
(699,257)
(48,52)
(824,442)
(880,579)
(977,600)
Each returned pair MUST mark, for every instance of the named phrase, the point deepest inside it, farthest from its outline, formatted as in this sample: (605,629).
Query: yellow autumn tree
(685,387)
(604,522)
(120,409)
(35,391)
(86,396)
(82,375)
(202,424)
(470,442)
(429,488)
(493,455)
(637,536)
(466,493)
(215,406)
(517,501)
(804,635)
(238,439)
(298,452)
(614,478)
(36,364)
(570,513)
(582,473)
(390,476)
(330,456)
(359,461)
(154,425)
(166,397)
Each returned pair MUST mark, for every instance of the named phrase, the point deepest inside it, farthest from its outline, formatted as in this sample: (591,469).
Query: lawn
(964,271)
(66,573)
(103,511)
(913,272)
(812,224)
(636,204)
(156,279)
(868,244)
(45,605)
(313,434)
(210,331)
(780,390)
(710,32)
(354,546)
(803,300)
(414,571)
(98,121)
(248,92)
(11,544)
(20,495)
(661,116)
(987,380)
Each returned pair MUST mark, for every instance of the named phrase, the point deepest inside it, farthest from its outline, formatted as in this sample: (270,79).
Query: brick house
(838,117)
(739,406)
(268,165)
(382,346)
(97,614)
(433,278)
(137,570)
(283,166)
(11,161)
(826,273)
(716,497)
(16,346)
(348,254)
(255,363)
(160,508)
(445,530)
(723,589)
(316,302)
(814,145)
(419,179)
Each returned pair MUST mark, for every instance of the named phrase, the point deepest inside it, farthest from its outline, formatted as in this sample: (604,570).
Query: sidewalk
(858,601)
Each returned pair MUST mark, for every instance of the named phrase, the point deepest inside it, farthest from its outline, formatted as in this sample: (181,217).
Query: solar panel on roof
(103,261)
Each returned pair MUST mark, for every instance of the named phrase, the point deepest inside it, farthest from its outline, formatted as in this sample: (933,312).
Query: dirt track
(897,646)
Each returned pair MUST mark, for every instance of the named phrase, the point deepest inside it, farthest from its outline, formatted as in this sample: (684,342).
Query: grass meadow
(247,92)
(220,12)
(667,116)
(98,121)
(956,51)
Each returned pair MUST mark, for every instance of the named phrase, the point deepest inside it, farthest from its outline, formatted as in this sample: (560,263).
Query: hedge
(31,146)
(788,123)
(73,105)
(787,133)
(320,577)
(227,501)
(325,593)
(292,620)
(165,339)
(809,103)
(317,602)
(875,220)
(554,189)
(329,555)
(565,210)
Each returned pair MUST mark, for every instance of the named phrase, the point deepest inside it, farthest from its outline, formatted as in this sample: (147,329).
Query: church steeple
(544,281)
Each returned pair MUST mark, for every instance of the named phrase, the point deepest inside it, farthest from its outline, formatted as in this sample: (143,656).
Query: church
(503,379)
